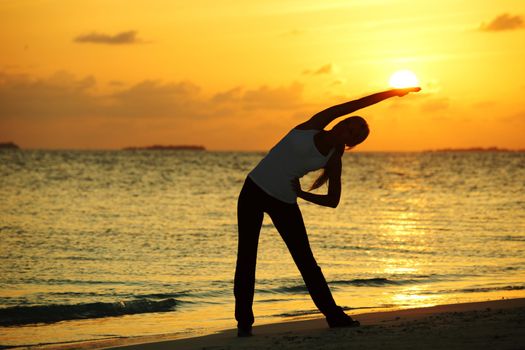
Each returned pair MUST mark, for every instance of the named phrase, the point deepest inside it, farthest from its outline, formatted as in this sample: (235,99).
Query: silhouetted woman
(273,187)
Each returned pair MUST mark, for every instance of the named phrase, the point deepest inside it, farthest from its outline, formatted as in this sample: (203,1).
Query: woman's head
(351,131)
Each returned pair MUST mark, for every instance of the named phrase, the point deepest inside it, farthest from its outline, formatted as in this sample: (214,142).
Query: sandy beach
(496,324)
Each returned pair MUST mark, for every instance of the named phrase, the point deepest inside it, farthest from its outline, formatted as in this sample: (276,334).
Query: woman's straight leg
(289,222)
(249,219)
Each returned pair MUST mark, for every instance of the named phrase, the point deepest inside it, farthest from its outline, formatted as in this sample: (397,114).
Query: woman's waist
(280,188)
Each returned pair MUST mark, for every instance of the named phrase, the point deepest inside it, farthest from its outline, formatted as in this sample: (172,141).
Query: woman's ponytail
(325,174)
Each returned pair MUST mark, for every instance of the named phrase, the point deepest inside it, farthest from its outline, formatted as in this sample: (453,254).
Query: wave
(367,282)
(21,315)
(512,238)
(475,290)
(297,289)
(298,313)
(374,282)
(300,288)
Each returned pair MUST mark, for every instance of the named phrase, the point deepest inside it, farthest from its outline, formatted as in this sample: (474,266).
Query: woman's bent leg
(249,218)
(289,222)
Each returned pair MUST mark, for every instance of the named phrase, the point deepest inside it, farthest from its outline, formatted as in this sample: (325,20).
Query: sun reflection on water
(412,296)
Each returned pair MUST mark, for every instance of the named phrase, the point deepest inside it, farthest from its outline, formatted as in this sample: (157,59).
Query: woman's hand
(403,92)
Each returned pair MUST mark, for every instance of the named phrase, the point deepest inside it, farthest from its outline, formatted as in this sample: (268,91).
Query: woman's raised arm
(322,119)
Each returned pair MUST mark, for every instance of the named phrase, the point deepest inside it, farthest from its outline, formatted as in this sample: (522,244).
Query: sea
(111,244)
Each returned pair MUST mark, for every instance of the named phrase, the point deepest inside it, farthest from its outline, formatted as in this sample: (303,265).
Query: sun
(403,79)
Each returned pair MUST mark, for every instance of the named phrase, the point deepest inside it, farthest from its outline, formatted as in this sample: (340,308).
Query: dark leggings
(253,203)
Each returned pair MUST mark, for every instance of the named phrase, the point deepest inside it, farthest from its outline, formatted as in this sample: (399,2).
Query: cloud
(283,97)
(62,95)
(66,111)
(154,99)
(338,82)
(503,22)
(123,38)
(293,33)
(326,69)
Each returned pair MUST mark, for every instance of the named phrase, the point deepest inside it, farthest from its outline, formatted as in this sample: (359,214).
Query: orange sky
(237,75)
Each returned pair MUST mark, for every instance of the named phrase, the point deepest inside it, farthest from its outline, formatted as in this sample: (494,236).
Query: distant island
(166,148)
(8,145)
(476,149)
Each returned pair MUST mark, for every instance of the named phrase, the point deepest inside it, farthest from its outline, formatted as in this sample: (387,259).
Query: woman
(273,187)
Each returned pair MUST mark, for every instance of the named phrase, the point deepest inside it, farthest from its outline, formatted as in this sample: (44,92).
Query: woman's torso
(292,157)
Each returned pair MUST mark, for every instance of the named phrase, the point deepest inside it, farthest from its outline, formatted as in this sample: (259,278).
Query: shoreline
(489,324)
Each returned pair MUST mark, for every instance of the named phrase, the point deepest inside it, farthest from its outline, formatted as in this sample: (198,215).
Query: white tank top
(294,156)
